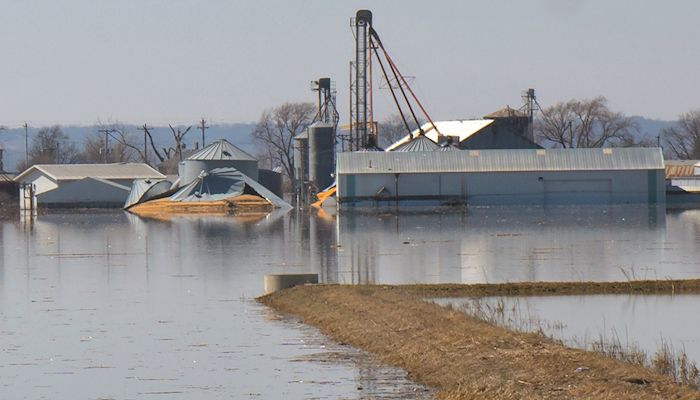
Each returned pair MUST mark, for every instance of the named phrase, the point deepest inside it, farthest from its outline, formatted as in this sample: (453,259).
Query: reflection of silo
(321,154)
(219,154)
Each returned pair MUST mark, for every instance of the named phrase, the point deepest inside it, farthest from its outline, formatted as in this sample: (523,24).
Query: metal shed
(484,177)
(80,185)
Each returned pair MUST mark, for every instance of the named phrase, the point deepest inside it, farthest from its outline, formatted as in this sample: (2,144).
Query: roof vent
(608,152)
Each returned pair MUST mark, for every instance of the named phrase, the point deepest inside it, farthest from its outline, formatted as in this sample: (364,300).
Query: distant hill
(12,140)
(650,129)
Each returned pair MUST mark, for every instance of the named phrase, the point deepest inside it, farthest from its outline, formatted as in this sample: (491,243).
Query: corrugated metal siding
(501,161)
(102,171)
(421,143)
(678,168)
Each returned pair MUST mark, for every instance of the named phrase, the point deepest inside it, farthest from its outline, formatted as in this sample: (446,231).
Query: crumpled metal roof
(421,143)
(458,129)
(266,193)
(501,160)
(101,171)
(145,189)
(221,149)
(213,185)
(223,183)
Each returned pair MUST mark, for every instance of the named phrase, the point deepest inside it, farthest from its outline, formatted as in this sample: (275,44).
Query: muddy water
(107,306)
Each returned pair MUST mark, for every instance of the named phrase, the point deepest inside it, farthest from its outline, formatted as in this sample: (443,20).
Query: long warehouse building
(491,177)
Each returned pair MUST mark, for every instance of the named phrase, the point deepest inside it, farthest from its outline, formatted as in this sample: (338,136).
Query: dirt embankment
(462,357)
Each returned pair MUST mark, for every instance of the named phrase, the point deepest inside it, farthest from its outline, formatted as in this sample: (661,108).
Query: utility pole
(26,145)
(203,127)
(106,132)
(2,167)
(144,128)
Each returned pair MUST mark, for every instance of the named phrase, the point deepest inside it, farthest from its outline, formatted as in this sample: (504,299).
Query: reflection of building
(491,245)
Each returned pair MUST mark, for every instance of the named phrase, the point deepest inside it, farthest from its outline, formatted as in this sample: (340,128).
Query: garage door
(595,191)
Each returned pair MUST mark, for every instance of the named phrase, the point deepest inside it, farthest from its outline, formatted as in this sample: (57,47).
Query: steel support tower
(359,87)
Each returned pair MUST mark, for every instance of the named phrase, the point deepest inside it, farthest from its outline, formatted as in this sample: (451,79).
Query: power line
(203,127)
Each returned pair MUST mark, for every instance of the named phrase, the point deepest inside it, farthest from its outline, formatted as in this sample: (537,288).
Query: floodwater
(108,305)
(635,321)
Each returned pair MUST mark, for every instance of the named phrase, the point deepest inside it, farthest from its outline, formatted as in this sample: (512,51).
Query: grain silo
(219,154)
(321,154)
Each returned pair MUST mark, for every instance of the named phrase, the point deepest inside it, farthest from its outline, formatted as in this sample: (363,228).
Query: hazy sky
(142,61)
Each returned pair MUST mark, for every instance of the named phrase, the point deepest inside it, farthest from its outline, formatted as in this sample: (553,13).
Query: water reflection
(511,244)
(147,306)
(103,305)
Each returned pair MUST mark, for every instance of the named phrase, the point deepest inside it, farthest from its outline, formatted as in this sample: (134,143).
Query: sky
(176,61)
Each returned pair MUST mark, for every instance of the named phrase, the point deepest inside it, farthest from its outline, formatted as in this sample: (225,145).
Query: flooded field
(107,305)
(646,322)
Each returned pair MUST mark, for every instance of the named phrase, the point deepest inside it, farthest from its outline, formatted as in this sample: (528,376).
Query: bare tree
(51,146)
(392,128)
(178,135)
(683,140)
(275,132)
(122,145)
(584,123)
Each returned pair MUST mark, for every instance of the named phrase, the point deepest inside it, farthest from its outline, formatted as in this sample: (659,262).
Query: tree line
(571,124)
(110,143)
(591,123)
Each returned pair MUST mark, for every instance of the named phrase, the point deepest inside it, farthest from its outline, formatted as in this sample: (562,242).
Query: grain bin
(219,154)
(321,154)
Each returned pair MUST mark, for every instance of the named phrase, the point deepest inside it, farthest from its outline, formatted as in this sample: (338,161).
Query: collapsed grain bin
(217,191)
(147,189)
(219,154)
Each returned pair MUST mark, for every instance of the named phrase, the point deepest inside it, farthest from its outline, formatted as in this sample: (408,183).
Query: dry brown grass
(462,357)
(554,288)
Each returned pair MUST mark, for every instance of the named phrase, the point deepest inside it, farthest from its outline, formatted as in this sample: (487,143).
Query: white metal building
(80,185)
(472,134)
(485,177)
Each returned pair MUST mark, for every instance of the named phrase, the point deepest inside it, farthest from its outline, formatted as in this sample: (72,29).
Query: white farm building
(80,185)
(489,177)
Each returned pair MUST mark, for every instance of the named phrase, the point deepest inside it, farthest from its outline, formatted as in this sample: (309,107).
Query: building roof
(60,172)
(506,112)
(221,149)
(679,168)
(521,160)
(459,129)
(421,143)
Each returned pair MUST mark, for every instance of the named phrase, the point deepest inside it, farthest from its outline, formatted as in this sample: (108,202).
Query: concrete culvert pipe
(275,282)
